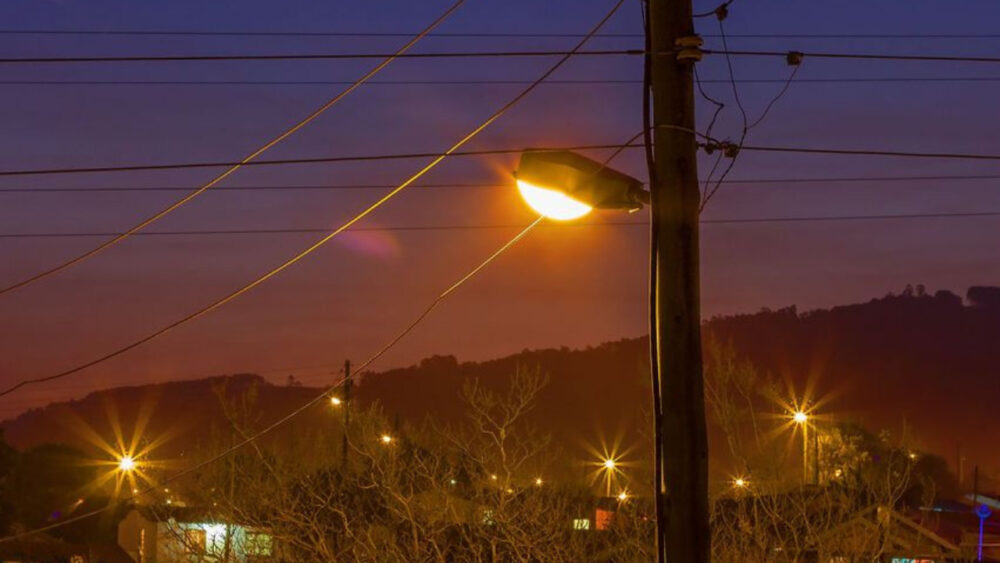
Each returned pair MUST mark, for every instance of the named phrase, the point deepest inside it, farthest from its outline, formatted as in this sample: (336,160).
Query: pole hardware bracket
(728,148)
(689,48)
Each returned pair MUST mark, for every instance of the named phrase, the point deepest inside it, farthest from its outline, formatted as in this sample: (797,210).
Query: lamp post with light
(802,420)
(562,185)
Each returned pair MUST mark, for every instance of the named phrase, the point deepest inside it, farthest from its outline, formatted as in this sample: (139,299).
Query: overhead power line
(330,234)
(287,161)
(232,168)
(873,152)
(502,226)
(480,54)
(486,185)
(489,82)
(855,56)
(484,152)
(311,56)
(484,34)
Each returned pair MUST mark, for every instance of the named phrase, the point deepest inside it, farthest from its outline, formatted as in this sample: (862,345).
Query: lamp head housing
(578,180)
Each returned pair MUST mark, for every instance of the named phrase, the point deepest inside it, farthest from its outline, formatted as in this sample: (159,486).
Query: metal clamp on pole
(689,48)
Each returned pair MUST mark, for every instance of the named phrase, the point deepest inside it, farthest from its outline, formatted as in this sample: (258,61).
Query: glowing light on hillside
(126,463)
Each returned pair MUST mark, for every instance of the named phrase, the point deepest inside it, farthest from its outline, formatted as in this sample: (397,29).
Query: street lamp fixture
(800,417)
(623,496)
(564,185)
(335,401)
(609,464)
(740,483)
(386,439)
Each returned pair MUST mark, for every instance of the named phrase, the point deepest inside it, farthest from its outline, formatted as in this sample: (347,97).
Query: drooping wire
(720,9)
(329,236)
(774,100)
(793,59)
(719,106)
(711,188)
(260,150)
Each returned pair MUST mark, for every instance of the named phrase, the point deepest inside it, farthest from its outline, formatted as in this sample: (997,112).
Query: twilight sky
(572,285)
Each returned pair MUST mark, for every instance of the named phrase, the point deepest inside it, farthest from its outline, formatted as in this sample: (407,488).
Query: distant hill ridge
(929,361)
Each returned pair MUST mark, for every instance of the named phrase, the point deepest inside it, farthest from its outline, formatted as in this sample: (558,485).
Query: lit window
(581,523)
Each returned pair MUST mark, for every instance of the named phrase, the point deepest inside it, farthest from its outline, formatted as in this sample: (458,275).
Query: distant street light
(623,496)
(802,418)
(126,463)
(335,401)
(740,483)
(609,464)
(538,481)
(386,439)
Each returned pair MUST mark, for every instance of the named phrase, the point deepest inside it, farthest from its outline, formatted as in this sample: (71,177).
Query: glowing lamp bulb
(386,439)
(623,496)
(126,463)
(538,481)
(335,401)
(552,203)
(609,464)
(800,417)
(739,483)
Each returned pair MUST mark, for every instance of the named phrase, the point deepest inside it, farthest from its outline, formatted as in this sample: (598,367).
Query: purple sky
(568,286)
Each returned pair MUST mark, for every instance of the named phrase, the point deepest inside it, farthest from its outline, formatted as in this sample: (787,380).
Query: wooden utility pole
(682,529)
(347,411)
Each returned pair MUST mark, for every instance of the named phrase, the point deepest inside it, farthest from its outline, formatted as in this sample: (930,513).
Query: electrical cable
(494,226)
(482,54)
(330,235)
(487,82)
(286,161)
(402,156)
(484,185)
(311,56)
(874,152)
(720,9)
(246,33)
(856,56)
(234,167)
(709,189)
